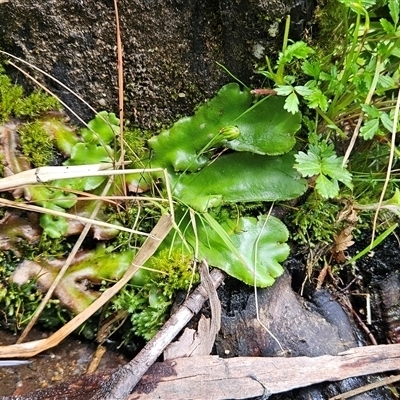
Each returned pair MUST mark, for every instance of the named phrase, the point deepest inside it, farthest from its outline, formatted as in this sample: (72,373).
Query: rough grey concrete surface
(170,48)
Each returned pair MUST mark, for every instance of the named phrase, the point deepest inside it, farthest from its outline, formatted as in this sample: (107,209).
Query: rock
(170,48)
(302,328)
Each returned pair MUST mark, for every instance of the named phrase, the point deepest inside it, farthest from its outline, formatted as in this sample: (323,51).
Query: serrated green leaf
(387,26)
(386,82)
(394,9)
(370,110)
(292,103)
(369,129)
(308,164)
(311,69)
(322,149)
(386,121)
(396,49)
(327,188)
(317,99)
(332,167)
(298,50)
(284,90)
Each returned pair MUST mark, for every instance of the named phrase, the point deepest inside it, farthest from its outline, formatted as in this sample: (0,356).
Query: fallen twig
(382,382)
(122,382)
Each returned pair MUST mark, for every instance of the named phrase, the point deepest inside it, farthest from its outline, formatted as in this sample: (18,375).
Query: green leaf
(323,149)
(264,128)
(386,82)
(267,128)
(102,129)
(317,99)
(387,122)
(239,177)
(358,6)
(394,9)
(55,227)
(82,154)
(327,188)
(371,111)
(283,90)
(369,129)
(248,249)
(292,103)
(322,161)
(387,26)
(311,68)
(89,153)
(332,166)
(308,164)
(298,50)
(303,90)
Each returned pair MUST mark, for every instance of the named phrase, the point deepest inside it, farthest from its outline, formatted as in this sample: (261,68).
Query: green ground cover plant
(320,139)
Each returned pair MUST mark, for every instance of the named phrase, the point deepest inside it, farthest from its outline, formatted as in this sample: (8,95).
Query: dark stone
(170,48)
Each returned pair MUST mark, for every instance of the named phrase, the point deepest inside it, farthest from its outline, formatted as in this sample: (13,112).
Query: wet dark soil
(65,362)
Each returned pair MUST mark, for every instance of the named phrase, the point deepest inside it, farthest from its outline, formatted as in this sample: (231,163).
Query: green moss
(135,144)
(18,302)
(36,144)
(149,304)
(34,104)
(314,221)
(9,96)
(331,18)
(13,102)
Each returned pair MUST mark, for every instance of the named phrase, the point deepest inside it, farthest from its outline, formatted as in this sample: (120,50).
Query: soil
(65,362)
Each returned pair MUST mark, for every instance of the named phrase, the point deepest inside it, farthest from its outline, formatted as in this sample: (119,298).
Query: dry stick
(390,164)
(151,244)
(64,268)
(351,393)
(83,220)
(120,88)
(361,117)
(122,382)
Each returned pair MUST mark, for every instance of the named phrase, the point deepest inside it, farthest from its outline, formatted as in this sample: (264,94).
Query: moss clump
(19,302)
(13,102)
(135,144)
(148,305)
(314,221)
(330,20)
(9,96)
(36,143)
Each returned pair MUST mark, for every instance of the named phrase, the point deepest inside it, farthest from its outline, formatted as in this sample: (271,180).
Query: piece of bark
(191,342)
(215,378)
